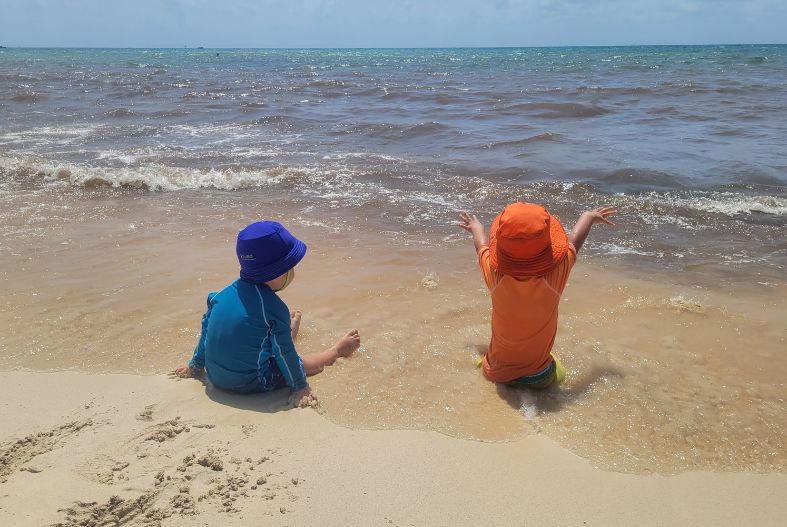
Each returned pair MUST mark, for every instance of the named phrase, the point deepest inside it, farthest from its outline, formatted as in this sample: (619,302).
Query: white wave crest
(150,177)
(729,203)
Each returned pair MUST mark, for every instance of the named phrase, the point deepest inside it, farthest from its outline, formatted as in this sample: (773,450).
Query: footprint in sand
(16,453)
(171,429)
(105,470)
(236,481)
(146,414)
(115,511)
(168,495)
(220,482)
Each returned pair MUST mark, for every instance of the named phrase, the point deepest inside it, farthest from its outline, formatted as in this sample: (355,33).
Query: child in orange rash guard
(526,262)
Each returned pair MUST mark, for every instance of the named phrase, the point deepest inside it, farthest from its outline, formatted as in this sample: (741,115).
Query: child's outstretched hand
(185,372)
(580,231)
(470,223)
(602,214)
(303,398)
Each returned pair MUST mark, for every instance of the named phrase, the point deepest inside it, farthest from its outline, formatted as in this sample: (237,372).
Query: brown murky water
(665,372)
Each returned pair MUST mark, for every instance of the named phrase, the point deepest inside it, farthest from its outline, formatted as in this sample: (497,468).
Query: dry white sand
(89,449)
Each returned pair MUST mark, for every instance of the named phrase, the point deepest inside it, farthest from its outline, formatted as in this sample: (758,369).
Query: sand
(119,449)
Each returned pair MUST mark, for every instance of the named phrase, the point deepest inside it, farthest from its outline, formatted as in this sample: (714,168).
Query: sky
(389,23)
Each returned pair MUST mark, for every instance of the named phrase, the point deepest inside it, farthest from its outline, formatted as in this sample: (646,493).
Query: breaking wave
(149,177)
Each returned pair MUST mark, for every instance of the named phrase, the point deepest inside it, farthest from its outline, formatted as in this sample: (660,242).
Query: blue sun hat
(266,250)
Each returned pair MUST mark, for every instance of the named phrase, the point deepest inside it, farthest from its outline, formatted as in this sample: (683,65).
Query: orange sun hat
(525,240)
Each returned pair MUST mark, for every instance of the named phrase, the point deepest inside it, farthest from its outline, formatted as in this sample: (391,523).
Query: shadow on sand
(269,402)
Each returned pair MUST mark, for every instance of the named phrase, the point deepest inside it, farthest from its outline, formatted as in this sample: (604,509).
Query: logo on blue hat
(267,250)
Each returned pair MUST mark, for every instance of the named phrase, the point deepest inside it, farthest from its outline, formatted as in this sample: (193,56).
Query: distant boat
(200,47)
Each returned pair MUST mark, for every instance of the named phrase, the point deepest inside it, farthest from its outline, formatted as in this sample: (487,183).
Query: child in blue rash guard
(246,344)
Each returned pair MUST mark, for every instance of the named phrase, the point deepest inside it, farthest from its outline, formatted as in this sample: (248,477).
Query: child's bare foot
(295,323)
(303,398)
(314,363)
(348,344)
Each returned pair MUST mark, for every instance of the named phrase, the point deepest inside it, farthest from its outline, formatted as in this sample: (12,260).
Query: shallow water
(662,375)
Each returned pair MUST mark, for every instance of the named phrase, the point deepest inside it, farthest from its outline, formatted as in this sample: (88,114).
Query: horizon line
(2,46)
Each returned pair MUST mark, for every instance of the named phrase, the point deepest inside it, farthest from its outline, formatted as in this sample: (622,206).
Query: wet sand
(666,373)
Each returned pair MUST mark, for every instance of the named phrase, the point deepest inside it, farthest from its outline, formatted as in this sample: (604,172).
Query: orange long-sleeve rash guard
(524,318)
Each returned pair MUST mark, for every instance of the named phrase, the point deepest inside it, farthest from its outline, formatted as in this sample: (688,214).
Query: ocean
(125,173)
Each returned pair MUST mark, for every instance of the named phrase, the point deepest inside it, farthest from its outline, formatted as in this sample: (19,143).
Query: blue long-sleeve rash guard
(244,327)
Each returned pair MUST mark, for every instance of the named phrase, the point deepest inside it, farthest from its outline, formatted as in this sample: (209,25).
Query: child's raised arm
(581,230)
(470,223)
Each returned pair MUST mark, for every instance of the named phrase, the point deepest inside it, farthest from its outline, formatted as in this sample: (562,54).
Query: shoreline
(134,437)
(121,298)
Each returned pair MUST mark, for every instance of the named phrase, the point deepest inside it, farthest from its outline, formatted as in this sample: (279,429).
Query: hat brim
(539,266)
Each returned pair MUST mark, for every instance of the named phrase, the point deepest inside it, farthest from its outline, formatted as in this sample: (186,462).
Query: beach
(125,176)
(150,450)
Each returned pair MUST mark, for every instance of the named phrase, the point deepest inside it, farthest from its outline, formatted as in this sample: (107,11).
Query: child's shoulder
(231,289)
(268,300)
